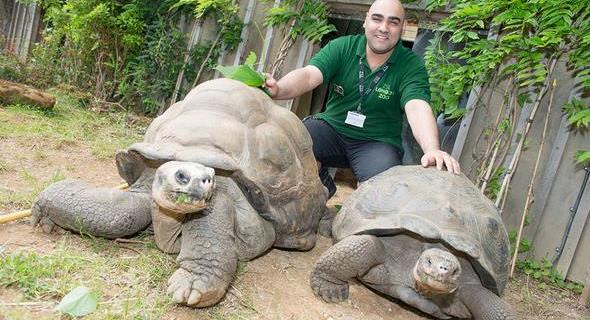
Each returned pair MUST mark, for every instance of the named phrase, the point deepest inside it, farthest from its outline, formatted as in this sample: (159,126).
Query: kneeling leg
(352,257)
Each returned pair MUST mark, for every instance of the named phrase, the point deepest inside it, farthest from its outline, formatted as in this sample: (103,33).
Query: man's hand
(440,158)
(271,85)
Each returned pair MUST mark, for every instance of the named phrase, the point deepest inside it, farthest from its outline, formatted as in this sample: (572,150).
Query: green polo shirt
(404,80)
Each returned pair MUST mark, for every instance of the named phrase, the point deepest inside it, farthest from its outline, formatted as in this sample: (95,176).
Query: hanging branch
(286,44)
(497,140)
(529,197)
(193,40)
(514,162)
(208,56)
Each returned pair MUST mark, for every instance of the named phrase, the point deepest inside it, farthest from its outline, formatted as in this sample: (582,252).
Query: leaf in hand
(243,73)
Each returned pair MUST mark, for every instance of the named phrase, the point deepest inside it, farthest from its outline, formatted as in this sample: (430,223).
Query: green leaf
(251,59)
(78,302)
(243,73)
(582,157)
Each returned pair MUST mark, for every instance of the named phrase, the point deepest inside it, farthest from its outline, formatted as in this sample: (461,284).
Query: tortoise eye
(181,177)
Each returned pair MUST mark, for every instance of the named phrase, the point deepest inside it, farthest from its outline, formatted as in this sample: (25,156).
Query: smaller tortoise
(426,237)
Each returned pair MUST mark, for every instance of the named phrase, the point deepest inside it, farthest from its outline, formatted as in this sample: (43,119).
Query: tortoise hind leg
(352,257)
(485,305)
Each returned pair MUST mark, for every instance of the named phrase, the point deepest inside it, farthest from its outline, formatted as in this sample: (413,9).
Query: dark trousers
(366,158)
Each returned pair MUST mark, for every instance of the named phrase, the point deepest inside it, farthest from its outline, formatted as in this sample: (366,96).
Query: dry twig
(529,196)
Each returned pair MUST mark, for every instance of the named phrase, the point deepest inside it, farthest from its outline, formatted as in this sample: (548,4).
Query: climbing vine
(525,40)
(130,51)
(306,18)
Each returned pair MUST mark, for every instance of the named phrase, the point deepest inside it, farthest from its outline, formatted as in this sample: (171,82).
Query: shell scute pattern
(435,205)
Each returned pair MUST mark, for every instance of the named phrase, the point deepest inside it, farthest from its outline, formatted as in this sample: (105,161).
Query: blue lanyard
(365,94)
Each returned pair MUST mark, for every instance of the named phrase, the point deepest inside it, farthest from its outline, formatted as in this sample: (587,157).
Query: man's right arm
(295,83)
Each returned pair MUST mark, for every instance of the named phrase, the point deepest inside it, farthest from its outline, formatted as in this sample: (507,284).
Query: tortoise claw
(193,290)
(328,288)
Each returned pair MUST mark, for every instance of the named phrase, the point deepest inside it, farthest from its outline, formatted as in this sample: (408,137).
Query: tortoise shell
(240,132)
(438,207)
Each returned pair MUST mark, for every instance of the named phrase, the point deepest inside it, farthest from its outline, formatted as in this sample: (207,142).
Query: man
(373,80)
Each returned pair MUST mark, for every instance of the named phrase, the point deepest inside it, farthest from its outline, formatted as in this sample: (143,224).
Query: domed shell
(242,133)
(437,206)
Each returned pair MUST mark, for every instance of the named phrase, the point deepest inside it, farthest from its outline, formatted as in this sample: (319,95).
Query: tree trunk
(12,92)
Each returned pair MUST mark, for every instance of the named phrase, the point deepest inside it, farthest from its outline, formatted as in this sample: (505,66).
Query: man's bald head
(392,6)
(383,25)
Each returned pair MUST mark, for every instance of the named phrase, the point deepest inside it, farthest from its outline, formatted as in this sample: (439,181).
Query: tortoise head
(183,187)
(436,272)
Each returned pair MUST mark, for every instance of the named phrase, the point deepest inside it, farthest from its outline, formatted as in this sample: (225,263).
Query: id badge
(355,119)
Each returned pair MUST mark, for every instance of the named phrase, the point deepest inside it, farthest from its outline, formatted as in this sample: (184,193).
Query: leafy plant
(544,271)
(524,246)
(582,157)
(309,18)
(306,18)
(531,34)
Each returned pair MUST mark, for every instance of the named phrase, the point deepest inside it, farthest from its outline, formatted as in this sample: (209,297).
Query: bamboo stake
(529,195)
(586,292)
(486,177)
(27,213)
(516,157)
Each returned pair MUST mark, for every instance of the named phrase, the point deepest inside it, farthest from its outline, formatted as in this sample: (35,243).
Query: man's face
(383,25)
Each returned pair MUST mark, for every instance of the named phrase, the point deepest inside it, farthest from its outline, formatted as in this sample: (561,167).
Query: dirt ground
(276,284)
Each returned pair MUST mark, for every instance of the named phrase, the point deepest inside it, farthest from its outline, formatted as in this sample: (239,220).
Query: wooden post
(586,292)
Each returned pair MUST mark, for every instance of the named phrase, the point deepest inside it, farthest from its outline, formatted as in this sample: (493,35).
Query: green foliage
(524,246)
(117,49)
(544,271)
(130,51)
(578,114)
(582,157)
(532,32)
(33,274)
(151,75)
(311,18)
(494,184)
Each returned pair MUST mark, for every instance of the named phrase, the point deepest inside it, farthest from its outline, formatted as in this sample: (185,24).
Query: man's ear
(404,25)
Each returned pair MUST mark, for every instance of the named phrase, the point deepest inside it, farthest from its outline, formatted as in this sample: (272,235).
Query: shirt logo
(384,92)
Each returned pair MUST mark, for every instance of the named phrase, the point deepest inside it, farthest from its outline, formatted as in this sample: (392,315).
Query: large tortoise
(231,175)
(426,237)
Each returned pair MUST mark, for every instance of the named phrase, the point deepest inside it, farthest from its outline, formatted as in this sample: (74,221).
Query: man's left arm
(425,131)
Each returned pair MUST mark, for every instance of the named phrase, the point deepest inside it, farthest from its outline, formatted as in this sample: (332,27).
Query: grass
(24,199)
(70,122)
(130,285)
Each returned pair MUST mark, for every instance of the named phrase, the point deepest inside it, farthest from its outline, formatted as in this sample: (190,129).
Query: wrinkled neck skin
(144,183)
(208,248)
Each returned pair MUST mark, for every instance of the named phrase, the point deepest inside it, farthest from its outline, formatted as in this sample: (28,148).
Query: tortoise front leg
(208,258)
(352,257)
(484,304)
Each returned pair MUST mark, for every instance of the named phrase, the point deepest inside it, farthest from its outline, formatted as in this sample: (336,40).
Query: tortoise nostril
(181,177)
